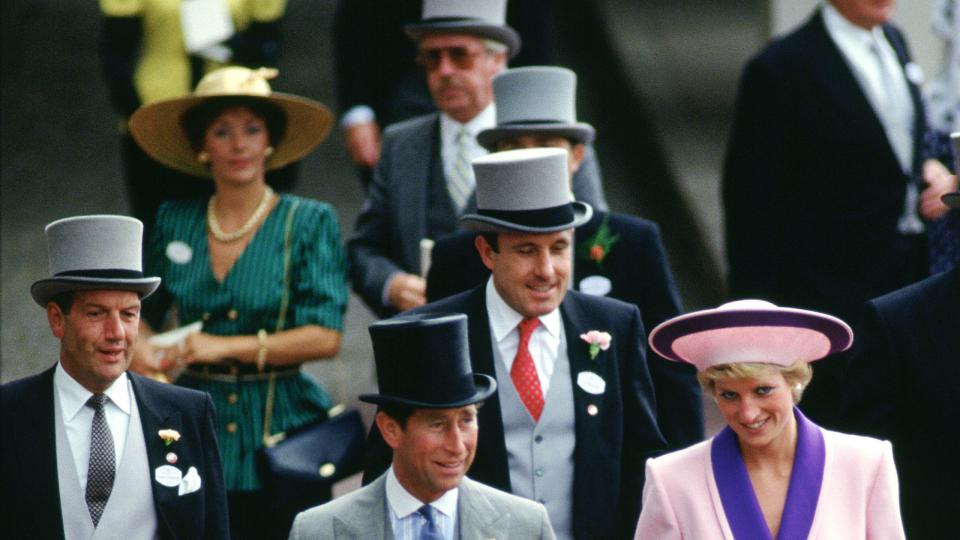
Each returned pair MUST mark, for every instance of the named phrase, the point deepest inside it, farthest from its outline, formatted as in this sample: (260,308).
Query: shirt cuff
(357,114)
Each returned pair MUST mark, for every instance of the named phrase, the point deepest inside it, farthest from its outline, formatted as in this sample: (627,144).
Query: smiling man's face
(530,271)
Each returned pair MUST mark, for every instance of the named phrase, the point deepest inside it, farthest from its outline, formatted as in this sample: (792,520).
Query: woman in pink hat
(771,473)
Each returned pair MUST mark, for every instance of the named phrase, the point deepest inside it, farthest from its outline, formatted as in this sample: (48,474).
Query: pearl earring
(268,151)
(203,157)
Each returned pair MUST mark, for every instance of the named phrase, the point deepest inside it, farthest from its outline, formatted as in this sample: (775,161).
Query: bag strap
(271,440)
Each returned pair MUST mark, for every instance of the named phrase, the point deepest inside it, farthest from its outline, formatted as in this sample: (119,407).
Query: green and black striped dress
(247,300)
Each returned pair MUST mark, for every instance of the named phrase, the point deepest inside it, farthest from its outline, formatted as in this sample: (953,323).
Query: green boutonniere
(597,247)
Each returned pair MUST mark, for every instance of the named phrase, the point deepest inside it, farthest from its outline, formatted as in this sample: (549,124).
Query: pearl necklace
(228,237)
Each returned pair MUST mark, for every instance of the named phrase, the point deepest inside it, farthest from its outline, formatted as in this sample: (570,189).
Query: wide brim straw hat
(752,331)
(159,131)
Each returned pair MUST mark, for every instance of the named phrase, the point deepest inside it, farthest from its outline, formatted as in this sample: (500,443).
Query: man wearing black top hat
(615,255)
(574,418)
(427,414)
(88,450)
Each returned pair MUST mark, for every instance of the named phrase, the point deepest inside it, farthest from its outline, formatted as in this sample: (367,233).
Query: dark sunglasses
(460,57)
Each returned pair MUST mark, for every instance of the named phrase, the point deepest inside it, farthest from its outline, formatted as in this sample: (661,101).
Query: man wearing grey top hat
(902,386)
(88,450)
(423,181)
(615,255)
(574,417)
(428,403)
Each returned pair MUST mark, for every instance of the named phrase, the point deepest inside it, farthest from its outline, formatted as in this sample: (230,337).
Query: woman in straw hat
(263,273)
(771,473)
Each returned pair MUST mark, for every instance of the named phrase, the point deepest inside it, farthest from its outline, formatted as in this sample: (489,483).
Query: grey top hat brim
(485,384)
(44,290)
(503,34)
(580,132)
(582,212)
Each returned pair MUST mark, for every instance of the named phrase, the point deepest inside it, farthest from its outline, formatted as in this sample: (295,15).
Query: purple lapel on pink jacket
(740,503)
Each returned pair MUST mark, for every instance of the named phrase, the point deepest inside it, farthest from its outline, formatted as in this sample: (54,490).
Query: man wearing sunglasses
(423,182)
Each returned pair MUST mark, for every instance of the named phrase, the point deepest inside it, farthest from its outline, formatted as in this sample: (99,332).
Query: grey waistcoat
(540,456)
(130,512)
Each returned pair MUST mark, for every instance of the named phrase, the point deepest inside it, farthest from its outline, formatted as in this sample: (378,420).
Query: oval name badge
(591,383)
(596,285)
(168,475)
(179,252)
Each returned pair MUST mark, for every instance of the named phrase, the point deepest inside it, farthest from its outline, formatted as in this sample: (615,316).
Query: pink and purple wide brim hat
(753,331)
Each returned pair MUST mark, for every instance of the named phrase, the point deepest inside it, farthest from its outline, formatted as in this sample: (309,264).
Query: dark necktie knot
(97,401)
(430,530)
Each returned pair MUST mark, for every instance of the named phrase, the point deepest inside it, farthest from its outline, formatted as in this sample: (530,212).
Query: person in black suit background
(574,417)
(824,171)
(378,80)
(902,386)
(615,255)
(88,450)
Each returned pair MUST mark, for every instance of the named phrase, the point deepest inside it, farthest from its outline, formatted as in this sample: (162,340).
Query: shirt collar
(73,396)
(846,32)
(503,318)
(485,120)
(402,503)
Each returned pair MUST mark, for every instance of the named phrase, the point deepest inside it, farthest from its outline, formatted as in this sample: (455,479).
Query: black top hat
(423,361)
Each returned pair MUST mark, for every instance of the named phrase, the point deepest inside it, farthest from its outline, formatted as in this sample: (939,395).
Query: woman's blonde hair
(797,375)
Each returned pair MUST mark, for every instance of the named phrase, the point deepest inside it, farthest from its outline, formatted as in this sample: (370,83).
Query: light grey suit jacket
(482,512)
(393,218)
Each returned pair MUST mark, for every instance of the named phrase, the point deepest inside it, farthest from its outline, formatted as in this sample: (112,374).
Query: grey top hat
(953,199)
(423,361)
(539,100)
(484,18)
(525,190)
(94,252)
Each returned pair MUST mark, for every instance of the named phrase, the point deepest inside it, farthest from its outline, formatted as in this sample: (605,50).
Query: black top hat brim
(579,133)
(503,34)
(44,290)
(582,212)
(485,385)
(951,199)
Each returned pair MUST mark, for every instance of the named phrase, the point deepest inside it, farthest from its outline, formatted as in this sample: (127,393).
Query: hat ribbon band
(103,273)
(533,121)
(541,217)
(432,20)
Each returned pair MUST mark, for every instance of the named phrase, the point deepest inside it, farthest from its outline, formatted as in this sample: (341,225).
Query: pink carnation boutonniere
(598,341)
(169,436)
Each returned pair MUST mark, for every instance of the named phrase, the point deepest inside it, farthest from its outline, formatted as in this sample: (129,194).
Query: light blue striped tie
(460,184)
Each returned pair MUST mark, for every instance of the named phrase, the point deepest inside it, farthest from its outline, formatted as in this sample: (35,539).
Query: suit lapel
(367,517)
(38,459)
(154,416)
(836,81)
(478,517)
(417,163)
(490,465)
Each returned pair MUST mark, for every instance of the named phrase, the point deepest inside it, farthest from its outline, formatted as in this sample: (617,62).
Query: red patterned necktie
(524,373)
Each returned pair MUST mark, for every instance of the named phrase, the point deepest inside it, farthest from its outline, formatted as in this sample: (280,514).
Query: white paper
(176,336)
(205,23)
(426,251)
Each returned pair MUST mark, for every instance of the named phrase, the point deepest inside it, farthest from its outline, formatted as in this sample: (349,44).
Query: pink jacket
(858,498)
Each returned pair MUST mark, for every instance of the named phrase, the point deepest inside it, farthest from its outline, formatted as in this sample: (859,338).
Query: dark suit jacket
(28,459)
(408,201)
(611,447)
(902,385)
(639,273)
(811,188)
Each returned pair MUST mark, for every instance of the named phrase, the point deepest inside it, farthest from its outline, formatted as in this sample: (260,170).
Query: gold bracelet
(262,353)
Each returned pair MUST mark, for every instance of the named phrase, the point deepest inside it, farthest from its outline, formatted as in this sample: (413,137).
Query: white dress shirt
(544,342)
(449,128)
(405,520)
(78,418)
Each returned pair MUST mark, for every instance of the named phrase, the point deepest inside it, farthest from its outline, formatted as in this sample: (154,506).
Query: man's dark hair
(492,238)
(64,300)
(195,121)
(400,413)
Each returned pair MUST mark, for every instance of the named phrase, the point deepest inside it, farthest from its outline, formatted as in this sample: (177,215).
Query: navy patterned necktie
(100,471)
(430,530)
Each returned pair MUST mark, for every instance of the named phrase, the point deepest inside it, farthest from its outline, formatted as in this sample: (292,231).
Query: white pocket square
(190,483)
